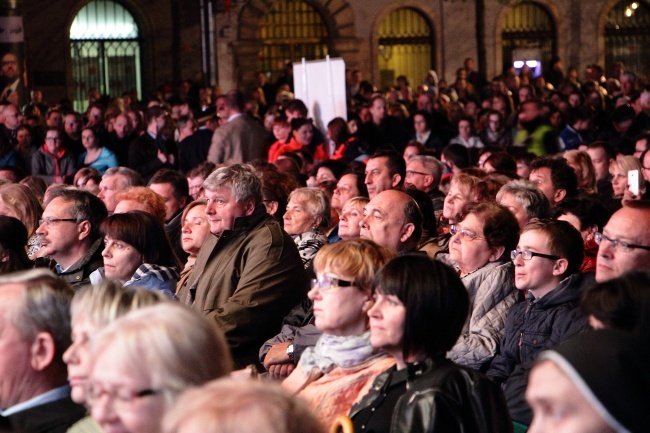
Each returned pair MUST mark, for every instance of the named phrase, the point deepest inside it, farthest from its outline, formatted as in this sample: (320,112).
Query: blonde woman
(581,163)
(20,202)
(91,310)
(130,389)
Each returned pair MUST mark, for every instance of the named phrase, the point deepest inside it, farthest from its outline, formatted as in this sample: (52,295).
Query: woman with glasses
(420,308)
(479,251)
(129,389)
(336,372)
(91,310)
(138,253)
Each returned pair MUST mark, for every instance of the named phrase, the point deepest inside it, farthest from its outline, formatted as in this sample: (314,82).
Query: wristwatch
(290,352)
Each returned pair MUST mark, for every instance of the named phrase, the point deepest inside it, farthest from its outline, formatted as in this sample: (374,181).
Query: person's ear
(43,351)
(250,207)
(559,195)
(395,180)
(406,232)
(496,253)
(271,207)
(560,267)
(84,229)
(428,180)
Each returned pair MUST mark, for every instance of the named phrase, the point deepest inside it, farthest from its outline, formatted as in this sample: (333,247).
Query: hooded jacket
(531,327)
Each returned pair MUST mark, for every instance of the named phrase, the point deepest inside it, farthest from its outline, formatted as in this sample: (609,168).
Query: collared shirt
(234,116)
(47,397)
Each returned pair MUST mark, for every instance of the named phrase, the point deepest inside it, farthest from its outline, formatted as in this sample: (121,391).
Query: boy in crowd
(547,261)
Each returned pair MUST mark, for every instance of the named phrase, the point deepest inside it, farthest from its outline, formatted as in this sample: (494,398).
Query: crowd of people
(463,257)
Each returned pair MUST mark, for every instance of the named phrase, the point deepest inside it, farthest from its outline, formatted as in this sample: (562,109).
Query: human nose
(106,252)
(368,179)
(375,310)
(68,355)
(364,223)
(314,293)
(186,228)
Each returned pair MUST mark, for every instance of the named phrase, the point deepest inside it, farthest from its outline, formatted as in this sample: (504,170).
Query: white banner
(11,30)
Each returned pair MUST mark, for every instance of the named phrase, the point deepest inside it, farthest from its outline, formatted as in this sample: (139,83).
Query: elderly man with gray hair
(525,201)
(248,274)
(35,331)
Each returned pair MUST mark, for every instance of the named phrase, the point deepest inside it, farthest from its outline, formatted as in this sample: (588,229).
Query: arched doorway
(627,37)
(291,30)
(105,49)
(528,33)
(406,46)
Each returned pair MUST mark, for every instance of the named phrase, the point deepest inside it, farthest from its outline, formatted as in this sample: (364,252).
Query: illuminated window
(627,37)
(528,27)
(105,51)
(290,31)
(406,44)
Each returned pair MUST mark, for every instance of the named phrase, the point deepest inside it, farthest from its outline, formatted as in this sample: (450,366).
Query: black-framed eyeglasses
(624,246)
(466,233)
(49,222)
(325,283)
(412,172)
(528,255)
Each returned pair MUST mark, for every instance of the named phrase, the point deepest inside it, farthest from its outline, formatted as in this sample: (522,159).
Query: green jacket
(247,280)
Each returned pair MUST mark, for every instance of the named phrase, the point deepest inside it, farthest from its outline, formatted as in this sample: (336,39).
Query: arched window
(528,31)
(105,51)
(290,31)
(406,43)
(627,37)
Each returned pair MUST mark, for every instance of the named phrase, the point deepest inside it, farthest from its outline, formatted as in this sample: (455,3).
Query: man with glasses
(35,323)
(52,161)
(547,262)
(69,235)
(424,172)
(13,119)
(624,244)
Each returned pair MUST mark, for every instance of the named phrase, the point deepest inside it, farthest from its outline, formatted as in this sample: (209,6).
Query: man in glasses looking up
(547,262)
(624,244)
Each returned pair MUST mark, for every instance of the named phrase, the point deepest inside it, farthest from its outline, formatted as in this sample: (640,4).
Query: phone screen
(633,181)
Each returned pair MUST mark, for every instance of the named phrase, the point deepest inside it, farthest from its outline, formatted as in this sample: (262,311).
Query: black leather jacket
(439,396)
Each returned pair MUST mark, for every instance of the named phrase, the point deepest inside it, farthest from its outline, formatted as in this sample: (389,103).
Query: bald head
(630,225)
(393,220)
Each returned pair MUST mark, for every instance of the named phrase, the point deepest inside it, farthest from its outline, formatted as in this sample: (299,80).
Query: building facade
(69,49)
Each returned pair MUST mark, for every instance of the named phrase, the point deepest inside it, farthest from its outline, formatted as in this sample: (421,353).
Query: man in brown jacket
(248,274)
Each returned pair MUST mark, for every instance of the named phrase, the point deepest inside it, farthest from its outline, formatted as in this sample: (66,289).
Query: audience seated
(248,274)
(35,322)
(479,251)
(339,369)
(307,214)
(69,234)
(13,244)
(19,201)
(351,216)
(137,253)
(525,201)
(419,310)
(91,310)
(143,199)
(547,261)
(129,388)
(624,244)
(230,406)
(393,220)
(595,382)
(195,230)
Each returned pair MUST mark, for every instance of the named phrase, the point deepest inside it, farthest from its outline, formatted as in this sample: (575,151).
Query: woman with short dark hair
(419,311)
(138,253)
